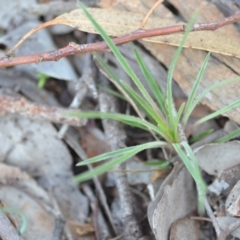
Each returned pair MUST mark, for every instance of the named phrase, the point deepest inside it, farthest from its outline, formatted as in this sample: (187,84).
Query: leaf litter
(35,160)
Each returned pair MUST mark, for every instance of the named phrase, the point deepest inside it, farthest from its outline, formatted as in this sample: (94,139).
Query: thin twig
(73,48)
(201,219)
(20,105)
(100,226)
(59,220)
(150,13)
(217,24)
(74,144)
(213,218)
(84,83)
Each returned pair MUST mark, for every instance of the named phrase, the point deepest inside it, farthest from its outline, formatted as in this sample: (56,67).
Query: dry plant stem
(150,13)
(21,106)
(74,104)
(115,135)
(73,143)
(85,80)
(73,48)
(100,227)
(217,24)
(213,218)
(7,230)
(201,219)
(59,221)
(229,230)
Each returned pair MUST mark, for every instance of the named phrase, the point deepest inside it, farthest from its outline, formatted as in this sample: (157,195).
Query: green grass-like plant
(42,79)
(164,121)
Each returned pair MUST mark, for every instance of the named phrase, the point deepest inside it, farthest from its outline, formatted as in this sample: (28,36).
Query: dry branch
(21,106)
(73,48)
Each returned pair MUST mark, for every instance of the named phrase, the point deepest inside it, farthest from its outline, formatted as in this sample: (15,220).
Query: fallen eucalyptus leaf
(177,202)
(215,158)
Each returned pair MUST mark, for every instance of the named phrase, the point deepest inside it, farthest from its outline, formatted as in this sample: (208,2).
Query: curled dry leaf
(117,23)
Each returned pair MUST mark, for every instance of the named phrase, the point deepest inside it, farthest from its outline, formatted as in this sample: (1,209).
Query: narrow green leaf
(105,156)
(219,112)
(207,90)
(155,88)
(120,58)
(42,79)
(189,106)
(170,104)
(131,120)
(228,137)
(133,96)
(146,107)
(110,164)
(118,83)
(200,136)
(112,92)
(160,163)
(191,164)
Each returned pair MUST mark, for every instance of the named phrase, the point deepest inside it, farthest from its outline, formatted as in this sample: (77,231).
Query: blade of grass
(155,88)
(170,104)
(109,73)
(197,176)
(191,164)
(115,153)
(135,98)
(228,137)
(112,92)
(189,108)
(125,88)
(110,164)
(160,163)
(145,106)
(121,60)
(207,90)
(131,120)
(200,136)
(219,112)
